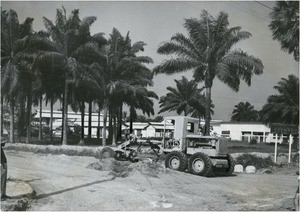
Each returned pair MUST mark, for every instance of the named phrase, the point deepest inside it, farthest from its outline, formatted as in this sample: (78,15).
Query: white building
(242,131)
(74,119)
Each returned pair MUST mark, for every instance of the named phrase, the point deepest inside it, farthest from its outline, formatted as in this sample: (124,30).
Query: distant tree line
(279,108)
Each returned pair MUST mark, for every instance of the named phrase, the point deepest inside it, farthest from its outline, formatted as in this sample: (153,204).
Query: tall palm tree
(122,73)
(208,52)
(244,111)
(183,98)
(283,107)
(285,26)
(71,36)
(15,43)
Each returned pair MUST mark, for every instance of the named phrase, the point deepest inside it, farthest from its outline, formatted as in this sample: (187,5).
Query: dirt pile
(124,168)
(148,167)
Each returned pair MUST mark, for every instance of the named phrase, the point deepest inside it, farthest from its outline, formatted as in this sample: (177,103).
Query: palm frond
(243,64)
(61,19)
(99,38)
(138,46)
(143,59)
(86,23)
(175,66)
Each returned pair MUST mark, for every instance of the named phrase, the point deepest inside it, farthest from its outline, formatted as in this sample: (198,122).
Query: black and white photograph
(150,105)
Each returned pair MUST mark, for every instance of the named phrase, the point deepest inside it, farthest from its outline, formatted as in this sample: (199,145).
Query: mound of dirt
(148,167)
(109,164)
(124,168)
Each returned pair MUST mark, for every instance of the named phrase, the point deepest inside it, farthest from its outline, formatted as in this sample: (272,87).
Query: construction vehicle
(184,147)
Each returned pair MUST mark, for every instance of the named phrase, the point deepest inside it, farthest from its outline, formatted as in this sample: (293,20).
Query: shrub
(295,144)
(252,160)
(295,158)
(253,141)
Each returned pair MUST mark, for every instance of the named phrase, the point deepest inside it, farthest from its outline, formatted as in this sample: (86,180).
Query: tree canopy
(285,26)
(283,107)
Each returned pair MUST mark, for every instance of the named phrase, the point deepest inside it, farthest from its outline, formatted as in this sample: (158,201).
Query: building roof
(137,125)
(160,125)
(58,114)
(243,122)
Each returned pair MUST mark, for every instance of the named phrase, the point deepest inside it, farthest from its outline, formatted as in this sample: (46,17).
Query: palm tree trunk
(98,128)
(40,124)
(104,125)
(51,120)
(12,116)
(22,118)
(207,110)
(90,120)
(62,116)
(65,116)
(114,139)
(82,119)
(110,127)
(120,120)
(29,103)
(1,130)
(132,117)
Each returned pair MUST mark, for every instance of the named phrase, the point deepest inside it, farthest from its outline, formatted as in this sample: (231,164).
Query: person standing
(3,173)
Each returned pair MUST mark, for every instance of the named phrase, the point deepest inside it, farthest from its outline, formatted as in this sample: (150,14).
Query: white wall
(149,132)
(236,129)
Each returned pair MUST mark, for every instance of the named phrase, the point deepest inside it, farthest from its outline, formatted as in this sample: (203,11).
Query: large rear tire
(107,152)
(231,164)
(176,160)
(200,164)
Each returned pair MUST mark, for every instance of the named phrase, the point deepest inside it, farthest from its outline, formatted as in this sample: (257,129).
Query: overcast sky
(156,21)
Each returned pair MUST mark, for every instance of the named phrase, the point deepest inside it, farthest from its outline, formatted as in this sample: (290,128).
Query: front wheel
(200,164)
(176,160)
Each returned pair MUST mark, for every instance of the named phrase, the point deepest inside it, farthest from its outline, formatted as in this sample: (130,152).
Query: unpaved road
(65,183)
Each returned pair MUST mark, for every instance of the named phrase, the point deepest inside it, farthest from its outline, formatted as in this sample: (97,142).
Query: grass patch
(245,147)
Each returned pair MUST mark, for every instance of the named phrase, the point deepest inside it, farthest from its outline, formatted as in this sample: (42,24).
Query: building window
(225,133)
(190,127)
(246,136)
(259,136)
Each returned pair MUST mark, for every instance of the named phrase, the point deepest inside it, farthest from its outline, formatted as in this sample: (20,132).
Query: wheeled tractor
(186,149)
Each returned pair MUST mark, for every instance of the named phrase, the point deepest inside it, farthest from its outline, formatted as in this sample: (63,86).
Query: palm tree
(71,36)
(207,51)
(283,108)
(244,112)
(16,40)
(121,76)
(285,26)
(142,100)
(183,98)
